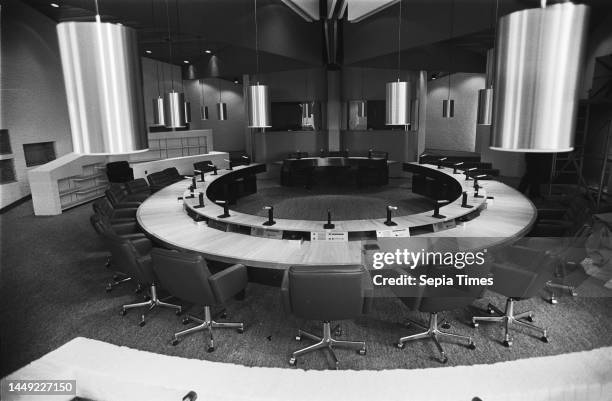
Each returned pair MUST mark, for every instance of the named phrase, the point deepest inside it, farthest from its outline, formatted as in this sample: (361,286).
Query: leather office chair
(103,207)
(204,166)
(134,255)
(434,300)
(186,276)
(519,273)
(159,180)
(138,186)
(238,158)
(119,197)
(173,174)
(326,293)
(119,171)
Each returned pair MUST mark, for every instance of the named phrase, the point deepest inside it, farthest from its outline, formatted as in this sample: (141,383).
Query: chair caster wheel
(446,325)
(544,339)
(474,325)
(298,338)
(552,301)
(471,345)
(122,312)
(362,351)
(210,349)
(223,315)
(444,359)
(574,293)
(490,310)
(142,321)
(338,332)
(292,361)
(174,341)
(507,343)
(240,330)
(186,320)
(400,345)
(530,318)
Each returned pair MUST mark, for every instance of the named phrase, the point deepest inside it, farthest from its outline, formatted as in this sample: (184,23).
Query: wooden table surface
(506,218)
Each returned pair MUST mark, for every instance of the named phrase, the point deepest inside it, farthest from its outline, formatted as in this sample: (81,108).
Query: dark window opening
(7,171)
(5,142)
(39,153)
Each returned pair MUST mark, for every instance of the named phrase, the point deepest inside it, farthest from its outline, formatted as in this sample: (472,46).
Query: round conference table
(242,238)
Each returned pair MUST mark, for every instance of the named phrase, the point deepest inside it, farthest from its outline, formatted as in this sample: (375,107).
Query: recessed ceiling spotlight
(148,51)
(186,61)
(235,81)
(207,51)
(434,78)
(55,5)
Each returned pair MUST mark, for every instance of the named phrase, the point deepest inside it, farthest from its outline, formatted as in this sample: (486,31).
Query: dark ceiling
(447,35)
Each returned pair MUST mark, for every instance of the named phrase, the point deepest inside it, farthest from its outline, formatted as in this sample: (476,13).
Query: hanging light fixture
(159,117)
(258,101)
(221,107)
(361,104)
(537,78)
(397,99)
(174,102)
(186,103)
(203,108)
(103,81)
(448,104)
(485,96)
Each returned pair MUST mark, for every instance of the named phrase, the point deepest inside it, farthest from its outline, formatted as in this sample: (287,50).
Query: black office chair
(119,171)
(159,180)
(204,166)
(173,174)
(433,300)
(326,293)
(119,197)
(135,256)
(104,208)
(186,276)
(519,273)
(138,186)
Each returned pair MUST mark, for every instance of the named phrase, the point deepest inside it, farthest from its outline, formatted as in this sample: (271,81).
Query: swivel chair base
(508,318)
(553,286)
(436,335)
(117,279)
(207,324)
(325,342)
(151,303)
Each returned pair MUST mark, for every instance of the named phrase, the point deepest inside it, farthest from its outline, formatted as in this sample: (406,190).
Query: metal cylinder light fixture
(306,109)
(187,108)
(485,96)
(103,81)
(398,103)
(258,106)
(203,113)
(362,109)
(159,116)
(175,109)
(222,111)
(537,76)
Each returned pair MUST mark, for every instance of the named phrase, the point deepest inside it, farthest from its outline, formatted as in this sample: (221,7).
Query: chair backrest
(239,158)
(137,186)
(159,179)
(204,166)
(173,173)
(327,292)
(183,275)
(119,171)
(115,193)
(103,207)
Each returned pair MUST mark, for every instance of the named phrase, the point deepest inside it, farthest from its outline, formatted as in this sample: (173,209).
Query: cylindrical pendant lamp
(258,106)
(103,82)
(203,113)
(362,109)
(537,78)
(187,107)
(306,109)
(222,111)
(159,118)
(485,96)
(398,103)
(175,109)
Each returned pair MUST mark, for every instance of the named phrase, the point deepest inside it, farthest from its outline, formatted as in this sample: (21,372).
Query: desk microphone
(388,222)
(270,221)
(440,160)
(201,172)
(347,152)
(422,158)
(225,209)
(455,167)
(467,172)
(201,200)
(370,154)
(329,225)
(476,186)
(298,154)
(247,159)
(464,198)
(437,214)
(229,163)
(214,167)
(193,182)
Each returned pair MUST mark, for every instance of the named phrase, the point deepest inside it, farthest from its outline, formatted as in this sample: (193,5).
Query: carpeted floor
(300,203)
(52,290)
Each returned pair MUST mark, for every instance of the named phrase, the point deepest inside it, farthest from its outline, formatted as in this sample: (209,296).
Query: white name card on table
(266,233)
(335,236)
(444,225)
(394,233)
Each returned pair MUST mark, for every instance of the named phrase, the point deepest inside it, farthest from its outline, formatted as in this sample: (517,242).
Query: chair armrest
(125,228)
(125,212)
(285,295)
(142,245)
(228,282)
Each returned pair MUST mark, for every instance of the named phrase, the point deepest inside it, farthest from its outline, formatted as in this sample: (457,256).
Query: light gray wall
(33,98)
(458,133)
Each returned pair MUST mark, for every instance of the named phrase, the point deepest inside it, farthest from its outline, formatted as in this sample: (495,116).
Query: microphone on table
(440,160)
(422,158)
(270,221)
(214,167)
(464,198)
(437,214)
(328,225)
(193,182)
(225,209)
(388,222)
(467,172)
(476,186)
(201,172)
(201,201)
(247,159)
(455,167)
(347,152)
(369,153)
(298,154)
(229,163)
